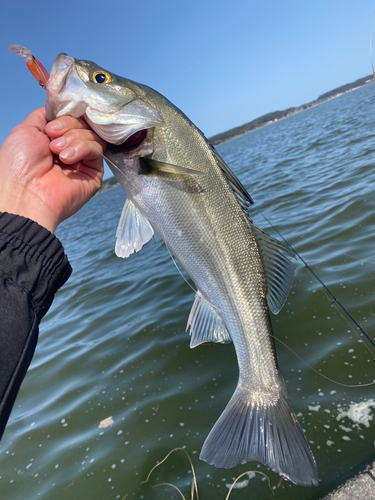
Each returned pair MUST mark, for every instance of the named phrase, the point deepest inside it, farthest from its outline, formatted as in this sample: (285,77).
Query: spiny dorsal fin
(133,230)
(278,268)
(205,324)
(243,197)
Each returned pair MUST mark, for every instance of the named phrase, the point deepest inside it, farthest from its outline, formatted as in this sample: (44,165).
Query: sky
(222,63)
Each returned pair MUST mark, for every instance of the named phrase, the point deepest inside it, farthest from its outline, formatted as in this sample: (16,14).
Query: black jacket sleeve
(33,267)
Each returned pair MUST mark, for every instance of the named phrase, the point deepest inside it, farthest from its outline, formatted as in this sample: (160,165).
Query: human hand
(49,171)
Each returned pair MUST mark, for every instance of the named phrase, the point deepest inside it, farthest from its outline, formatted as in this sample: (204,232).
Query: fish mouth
(63,75)
(60,72)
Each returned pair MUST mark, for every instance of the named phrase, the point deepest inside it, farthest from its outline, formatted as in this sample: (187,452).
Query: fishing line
(353,330)
(335,299)
(344,317)
(333,248)
(108,160)
(179,270)
(321,374)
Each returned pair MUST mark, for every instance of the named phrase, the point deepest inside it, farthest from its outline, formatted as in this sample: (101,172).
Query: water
(114,342)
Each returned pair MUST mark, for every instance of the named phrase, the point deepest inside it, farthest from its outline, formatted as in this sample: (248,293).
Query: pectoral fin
(183,178)
(206,324)
(133,230)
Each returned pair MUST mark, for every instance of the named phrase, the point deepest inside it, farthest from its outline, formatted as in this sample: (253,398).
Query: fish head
(112,105)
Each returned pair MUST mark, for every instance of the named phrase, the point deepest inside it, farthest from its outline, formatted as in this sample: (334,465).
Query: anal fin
(206,324)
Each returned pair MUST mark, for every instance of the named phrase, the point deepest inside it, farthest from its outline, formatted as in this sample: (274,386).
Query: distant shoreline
(276,116)
(283,118)
(108,184)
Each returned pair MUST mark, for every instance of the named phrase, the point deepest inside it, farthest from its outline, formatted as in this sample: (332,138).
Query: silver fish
(177,184)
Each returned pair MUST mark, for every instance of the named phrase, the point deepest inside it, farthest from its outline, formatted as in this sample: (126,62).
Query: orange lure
(36,68)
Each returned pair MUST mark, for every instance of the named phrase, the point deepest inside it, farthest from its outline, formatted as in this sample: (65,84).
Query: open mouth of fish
(61,69)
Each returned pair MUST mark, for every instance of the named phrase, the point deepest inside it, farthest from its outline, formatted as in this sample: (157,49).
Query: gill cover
(82,89)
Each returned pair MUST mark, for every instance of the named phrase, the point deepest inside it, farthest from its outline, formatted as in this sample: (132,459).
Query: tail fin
(272,435)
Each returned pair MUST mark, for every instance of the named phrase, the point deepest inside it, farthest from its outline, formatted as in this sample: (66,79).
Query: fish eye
(101,77)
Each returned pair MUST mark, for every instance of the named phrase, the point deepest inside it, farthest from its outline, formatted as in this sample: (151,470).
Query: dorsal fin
(243,197)
(278,268)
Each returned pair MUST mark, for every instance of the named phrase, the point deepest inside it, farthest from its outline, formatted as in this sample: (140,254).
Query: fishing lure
(35,67)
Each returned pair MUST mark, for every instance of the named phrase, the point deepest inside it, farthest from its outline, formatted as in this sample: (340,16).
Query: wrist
(32,209)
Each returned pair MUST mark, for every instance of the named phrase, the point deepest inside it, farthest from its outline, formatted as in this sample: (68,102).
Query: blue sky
(222,63)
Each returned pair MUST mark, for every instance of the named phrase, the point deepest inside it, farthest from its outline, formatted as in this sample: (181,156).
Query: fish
(177,186)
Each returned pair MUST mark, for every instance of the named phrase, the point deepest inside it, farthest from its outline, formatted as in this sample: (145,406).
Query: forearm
(33,267)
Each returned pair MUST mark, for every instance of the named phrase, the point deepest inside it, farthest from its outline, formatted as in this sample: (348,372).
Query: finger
(63,124)
(36,118)
(82,150)
(59,144)
(67,134)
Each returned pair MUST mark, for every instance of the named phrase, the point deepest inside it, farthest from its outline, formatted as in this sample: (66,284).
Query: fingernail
(56,125)
(60,142)
(67,153)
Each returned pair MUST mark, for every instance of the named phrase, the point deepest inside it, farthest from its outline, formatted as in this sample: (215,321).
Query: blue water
(114,343)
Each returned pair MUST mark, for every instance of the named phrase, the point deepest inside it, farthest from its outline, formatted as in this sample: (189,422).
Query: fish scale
(177,185)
